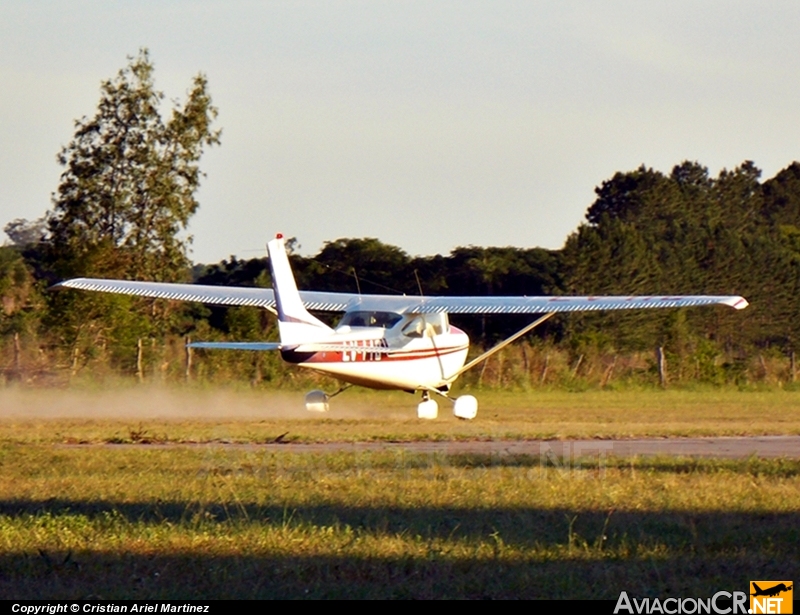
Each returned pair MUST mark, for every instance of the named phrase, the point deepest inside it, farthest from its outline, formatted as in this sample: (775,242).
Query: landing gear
(464,407)
(427,409)
(317,401)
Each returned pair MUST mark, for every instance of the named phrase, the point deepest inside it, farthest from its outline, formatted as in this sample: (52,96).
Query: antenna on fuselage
(419,284)
(355,275)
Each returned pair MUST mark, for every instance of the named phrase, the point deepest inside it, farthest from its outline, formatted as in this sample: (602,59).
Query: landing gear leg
(427,408)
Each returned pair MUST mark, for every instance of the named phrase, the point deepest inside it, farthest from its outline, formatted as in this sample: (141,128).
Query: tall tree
(123,205)
(128,190)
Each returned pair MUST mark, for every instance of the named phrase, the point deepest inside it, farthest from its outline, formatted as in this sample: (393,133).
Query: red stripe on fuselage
(360,354)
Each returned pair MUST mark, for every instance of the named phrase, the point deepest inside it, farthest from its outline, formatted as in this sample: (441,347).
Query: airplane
(382,341)
(771,591)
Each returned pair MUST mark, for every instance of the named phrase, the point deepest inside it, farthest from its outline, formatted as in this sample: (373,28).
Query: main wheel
(317,401)
(465,407)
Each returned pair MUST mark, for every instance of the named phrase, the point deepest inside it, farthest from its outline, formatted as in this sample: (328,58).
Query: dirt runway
(722,448)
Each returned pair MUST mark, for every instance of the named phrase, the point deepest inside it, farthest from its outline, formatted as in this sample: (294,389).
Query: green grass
(218,522)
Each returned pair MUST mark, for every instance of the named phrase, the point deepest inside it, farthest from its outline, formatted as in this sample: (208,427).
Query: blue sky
(428,125)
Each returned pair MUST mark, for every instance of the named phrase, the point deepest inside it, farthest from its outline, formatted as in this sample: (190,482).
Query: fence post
(609,371)
(76,353)
(483,369)
(139,374)
(662,367)
(188,371)
(257,377)
(17,358)
(577,366)
(763,365)
(526,366)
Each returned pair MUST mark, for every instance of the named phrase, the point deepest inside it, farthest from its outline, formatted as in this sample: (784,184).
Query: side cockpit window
(384,320)
(426,325)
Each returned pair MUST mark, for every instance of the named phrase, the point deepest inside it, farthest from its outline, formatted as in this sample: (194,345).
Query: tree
(362,265)
(624,196)
(128,190)
(17,290)
(123,205)
(690,233)
(25,233)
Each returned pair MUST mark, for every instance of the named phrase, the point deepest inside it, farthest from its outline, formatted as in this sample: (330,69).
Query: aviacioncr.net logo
(718,603)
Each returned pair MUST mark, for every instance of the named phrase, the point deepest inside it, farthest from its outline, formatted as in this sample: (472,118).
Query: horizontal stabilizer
(235,345)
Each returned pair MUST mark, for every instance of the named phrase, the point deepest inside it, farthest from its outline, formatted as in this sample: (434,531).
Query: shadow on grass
(586,554)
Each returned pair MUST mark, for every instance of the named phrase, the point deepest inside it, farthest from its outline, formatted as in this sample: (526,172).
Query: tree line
(127,194)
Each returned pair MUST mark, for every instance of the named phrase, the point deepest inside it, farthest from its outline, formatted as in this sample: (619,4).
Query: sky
(426,124)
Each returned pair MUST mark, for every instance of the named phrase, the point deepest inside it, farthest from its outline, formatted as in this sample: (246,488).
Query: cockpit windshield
(385,320)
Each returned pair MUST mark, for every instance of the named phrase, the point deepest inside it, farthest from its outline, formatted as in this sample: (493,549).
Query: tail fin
(295,324)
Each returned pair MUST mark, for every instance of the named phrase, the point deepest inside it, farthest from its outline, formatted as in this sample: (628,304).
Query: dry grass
(216,522)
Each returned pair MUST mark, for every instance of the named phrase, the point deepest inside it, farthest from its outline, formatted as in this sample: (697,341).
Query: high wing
(212,295)
(554,304)
(341,302)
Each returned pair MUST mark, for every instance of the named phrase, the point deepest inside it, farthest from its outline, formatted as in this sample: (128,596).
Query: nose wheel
(427,409)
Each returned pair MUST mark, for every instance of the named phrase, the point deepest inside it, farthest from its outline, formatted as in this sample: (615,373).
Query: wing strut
(500,346)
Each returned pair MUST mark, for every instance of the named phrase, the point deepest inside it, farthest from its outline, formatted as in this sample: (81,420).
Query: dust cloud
(136,403)
(142,403)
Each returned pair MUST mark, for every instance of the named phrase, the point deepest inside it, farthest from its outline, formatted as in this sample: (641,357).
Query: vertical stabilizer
(295,324)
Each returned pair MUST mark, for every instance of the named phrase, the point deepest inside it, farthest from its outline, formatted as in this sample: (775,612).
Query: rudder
(295,324)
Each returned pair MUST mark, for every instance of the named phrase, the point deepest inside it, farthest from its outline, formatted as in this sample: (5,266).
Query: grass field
(215,521)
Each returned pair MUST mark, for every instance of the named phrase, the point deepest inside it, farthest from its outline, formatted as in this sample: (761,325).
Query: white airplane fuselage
(411,355)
